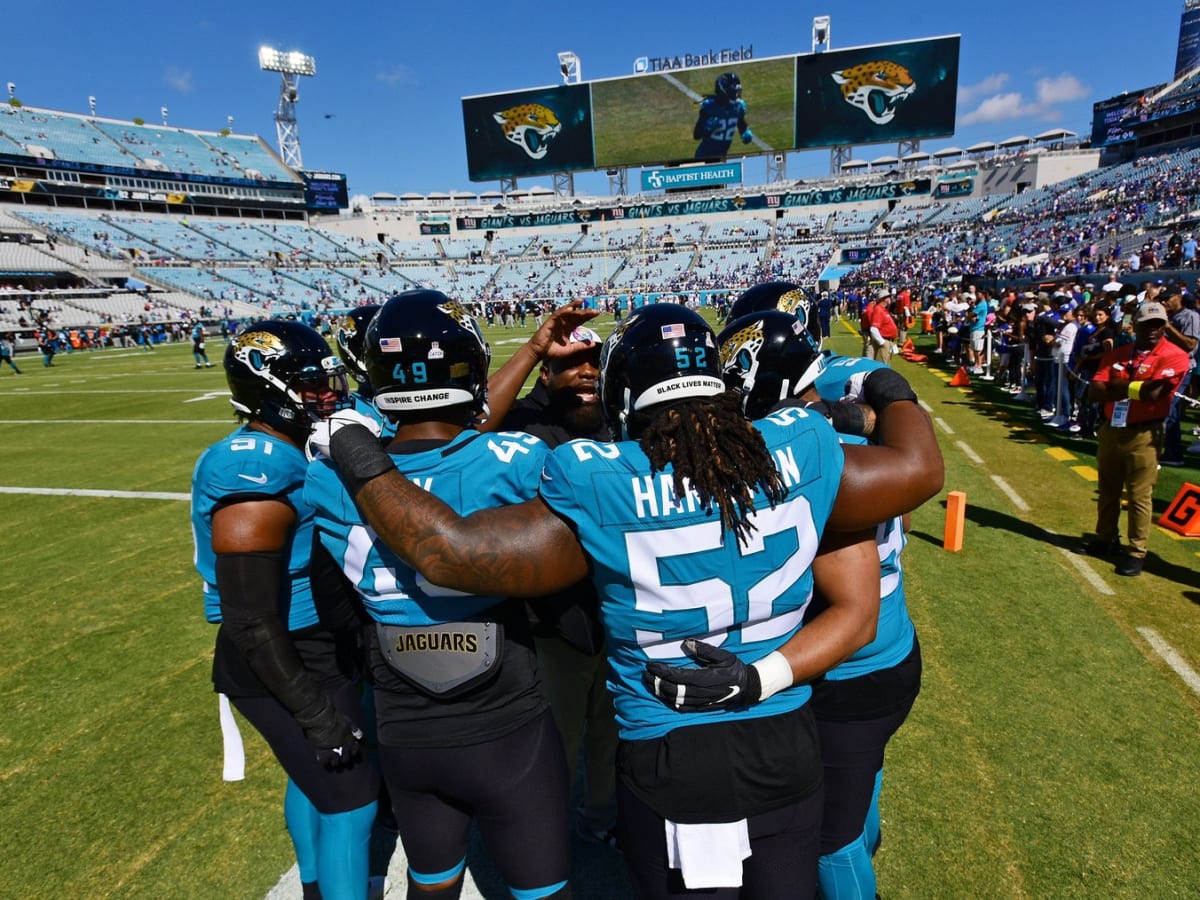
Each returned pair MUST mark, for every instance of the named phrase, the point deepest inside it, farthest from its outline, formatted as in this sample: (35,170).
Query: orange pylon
(961,378)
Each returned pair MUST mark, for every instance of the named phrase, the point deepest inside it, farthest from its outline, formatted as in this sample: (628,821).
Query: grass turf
(1051,752)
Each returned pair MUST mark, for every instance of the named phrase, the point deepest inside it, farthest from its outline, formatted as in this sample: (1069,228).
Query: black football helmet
(425,351)
(782,295)
(768,356)
(284,374)
(351,332)
(661,352)
(728,87)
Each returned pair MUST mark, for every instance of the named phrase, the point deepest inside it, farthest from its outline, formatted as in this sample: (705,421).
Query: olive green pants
(1127,458)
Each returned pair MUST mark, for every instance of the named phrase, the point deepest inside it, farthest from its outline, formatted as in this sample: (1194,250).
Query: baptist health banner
(691,177)
(892,190)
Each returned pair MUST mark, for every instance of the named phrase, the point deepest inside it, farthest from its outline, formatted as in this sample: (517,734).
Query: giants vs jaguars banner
(875,95)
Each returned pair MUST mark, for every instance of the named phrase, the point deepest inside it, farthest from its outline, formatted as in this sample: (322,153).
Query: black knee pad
(421,892)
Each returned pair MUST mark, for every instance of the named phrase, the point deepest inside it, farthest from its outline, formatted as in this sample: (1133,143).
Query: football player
(860,703)
(722,116)
(694,521)
(285,648)
(465,733)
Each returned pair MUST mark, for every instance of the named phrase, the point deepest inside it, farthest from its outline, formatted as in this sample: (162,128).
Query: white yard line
(1011,494)
(1081,566)
(941,423)
(85,492)
(969,453)
(1172,658)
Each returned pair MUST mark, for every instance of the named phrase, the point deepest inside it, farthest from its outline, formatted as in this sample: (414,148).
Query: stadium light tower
(570,67)
(164,115)
(290,65)
(571,70)
(92,105)
(12,90)
(820,34)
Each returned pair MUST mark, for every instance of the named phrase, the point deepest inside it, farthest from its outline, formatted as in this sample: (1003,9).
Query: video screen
(865,95)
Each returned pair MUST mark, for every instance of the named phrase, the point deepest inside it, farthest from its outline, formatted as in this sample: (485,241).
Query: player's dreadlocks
(715,450)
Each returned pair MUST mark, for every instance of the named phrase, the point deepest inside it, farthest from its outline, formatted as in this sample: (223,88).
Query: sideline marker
(1183,515)
(961,378)
(956,517)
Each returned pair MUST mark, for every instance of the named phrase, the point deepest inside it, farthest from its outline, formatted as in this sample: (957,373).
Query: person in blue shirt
(693,521)
(198,352)
(465,733)
(287,643)
(722,117)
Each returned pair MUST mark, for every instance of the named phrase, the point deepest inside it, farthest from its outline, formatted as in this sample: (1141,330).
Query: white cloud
(395,76)
(1012,105)
(180,79)
(996,109)
(1061,89)
(968,92)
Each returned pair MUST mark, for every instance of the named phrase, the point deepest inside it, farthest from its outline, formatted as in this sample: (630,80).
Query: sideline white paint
(85,492)
(969,453)
(941,423)
(1081,566)
(1172,658)
(925,406)
(1011,494)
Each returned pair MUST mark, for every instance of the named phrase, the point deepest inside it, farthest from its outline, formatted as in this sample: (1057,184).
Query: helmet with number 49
(284,374)
(425,351)
(662,352)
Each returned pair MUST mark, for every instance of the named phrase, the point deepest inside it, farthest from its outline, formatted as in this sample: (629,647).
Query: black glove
(722,681)
(336,740)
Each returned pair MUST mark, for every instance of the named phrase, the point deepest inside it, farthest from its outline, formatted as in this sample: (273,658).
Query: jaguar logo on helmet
(257,348)
(793,302)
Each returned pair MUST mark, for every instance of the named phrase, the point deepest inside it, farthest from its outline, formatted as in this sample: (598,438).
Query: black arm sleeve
(249,584)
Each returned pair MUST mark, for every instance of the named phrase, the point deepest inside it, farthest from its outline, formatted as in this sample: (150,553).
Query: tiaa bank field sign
(691,177)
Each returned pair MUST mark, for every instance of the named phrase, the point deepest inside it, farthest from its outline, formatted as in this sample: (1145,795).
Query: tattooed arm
(524,550)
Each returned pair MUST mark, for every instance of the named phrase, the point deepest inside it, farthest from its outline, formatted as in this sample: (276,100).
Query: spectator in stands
(1183,330)
(1098,340)
(977,320)
(1135,384)
(1189,251)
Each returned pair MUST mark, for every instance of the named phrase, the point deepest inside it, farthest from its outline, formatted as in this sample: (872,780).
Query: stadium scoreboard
(882,93)
(324,191)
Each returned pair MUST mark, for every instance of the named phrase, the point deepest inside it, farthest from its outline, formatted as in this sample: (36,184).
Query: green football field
(1053,751)
(650,119)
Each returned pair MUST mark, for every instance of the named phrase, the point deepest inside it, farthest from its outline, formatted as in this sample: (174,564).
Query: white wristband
(774,673)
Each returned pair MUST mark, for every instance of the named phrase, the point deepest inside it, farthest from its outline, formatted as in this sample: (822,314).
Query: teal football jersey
(471,472)
(665,569)
(252,465)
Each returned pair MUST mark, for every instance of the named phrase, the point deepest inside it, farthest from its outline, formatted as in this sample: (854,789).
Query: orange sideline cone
(961,378)
(908,347)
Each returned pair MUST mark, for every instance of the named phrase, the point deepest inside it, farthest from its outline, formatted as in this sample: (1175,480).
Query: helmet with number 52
(284,374)
(662,352)
(425,351)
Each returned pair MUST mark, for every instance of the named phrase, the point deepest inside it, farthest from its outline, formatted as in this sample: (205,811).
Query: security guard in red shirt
(1136,383)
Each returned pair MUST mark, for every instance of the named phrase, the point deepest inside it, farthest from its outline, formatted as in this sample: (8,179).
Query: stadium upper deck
(1028,211)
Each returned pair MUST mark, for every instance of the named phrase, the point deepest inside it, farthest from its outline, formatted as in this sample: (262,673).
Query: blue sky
(384,106)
